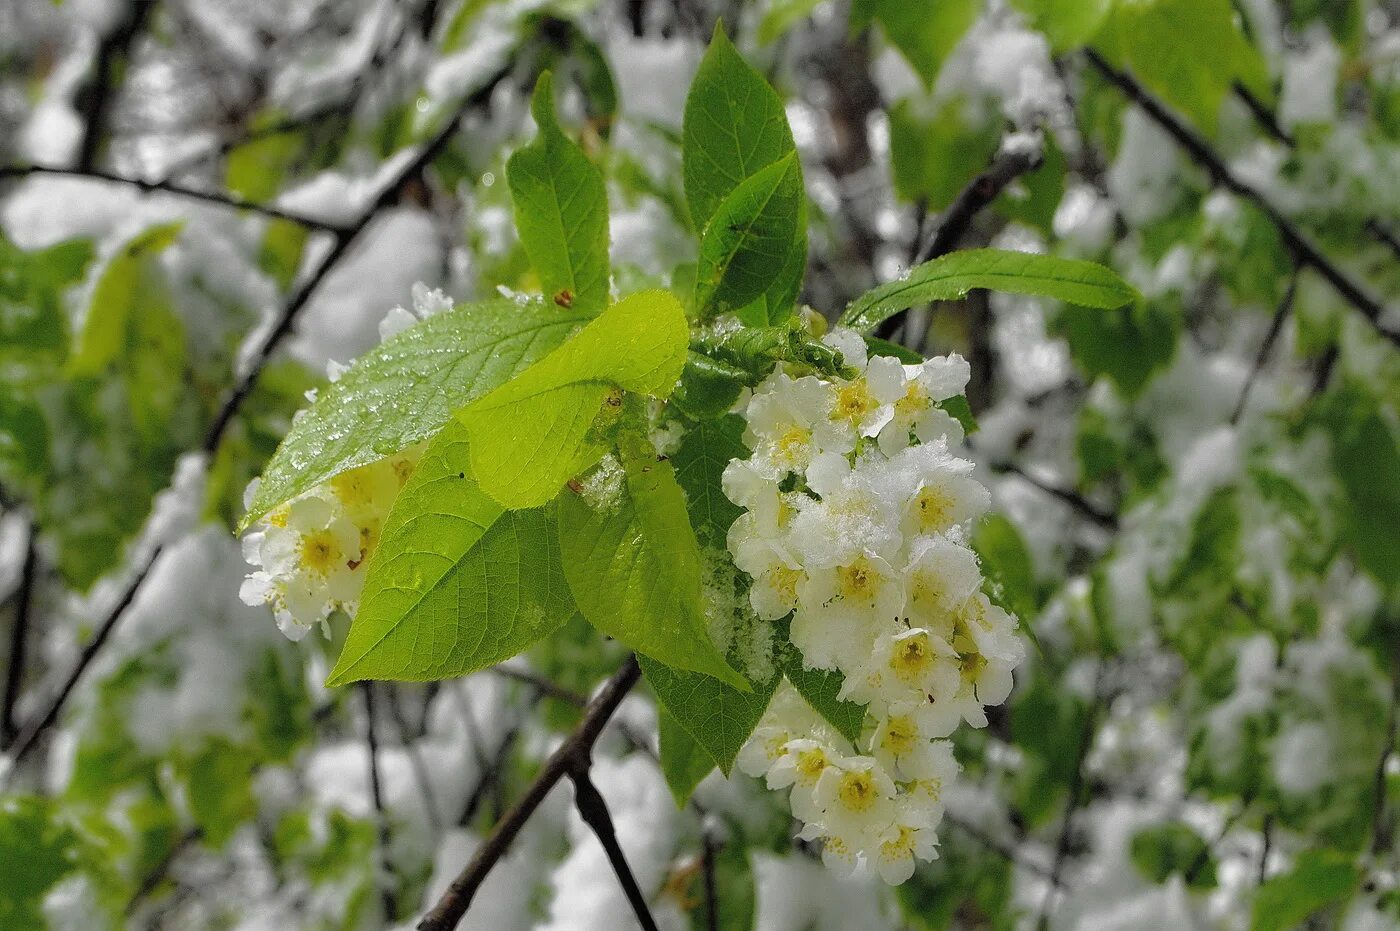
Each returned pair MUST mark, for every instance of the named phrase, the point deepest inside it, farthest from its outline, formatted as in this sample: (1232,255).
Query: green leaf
(1007,564)
(1164,850)
(1367,459)
(1189,52)
(953,275)
(781,15)
(700,460)
(718,718)
(708,387)
(533,433)
(1068,24)
(633,564)
(1128,345)
(1319,878)
(925,33)
(219,783)
(820,688)
(457,583)
(37,852)
(116,301)
(561,211)
(684,762)
(933,155)
(402,391)
(734,127)
(747,241)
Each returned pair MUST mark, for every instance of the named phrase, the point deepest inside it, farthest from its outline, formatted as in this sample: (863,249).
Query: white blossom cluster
(856,521)
(310,553)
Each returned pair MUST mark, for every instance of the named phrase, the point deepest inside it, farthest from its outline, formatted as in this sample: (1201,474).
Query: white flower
(787,423)
(941,575)
(908,666)
(907,839)
(842,609)
(849,343)
(856,798)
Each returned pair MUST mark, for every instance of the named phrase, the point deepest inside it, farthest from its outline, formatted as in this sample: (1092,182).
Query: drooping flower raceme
(856,515)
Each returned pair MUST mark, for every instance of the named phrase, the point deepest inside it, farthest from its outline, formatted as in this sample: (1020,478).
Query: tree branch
(385,879)
(1085,508)
(1076,784)
(19,635)
(454,903)
(594,811)
(115,47)
(168,187)
(1199,150)
(1267,346)
(1018,154)
(28,737)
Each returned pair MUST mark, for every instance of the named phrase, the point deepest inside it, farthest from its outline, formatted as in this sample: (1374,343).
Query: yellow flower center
(935,508)
(900,735)
(857,580)
(857,791)
(901,846)
(810,765)
(784,582)
(853,402)
(319,551)
(793,442)
(912,658)
(278,518)
(972,666)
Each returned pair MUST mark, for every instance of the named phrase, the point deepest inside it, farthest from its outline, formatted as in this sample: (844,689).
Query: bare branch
(385,879)
(458,898)
(108,66)
(19,635)
(1199,150)
(594,811)
(1267,346)
(1017,155)
(168,187)
(1106,519)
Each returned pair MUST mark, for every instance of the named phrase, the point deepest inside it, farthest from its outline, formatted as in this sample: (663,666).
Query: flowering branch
(1199,150)
(573,753)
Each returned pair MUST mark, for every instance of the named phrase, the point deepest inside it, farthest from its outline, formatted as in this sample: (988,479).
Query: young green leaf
(633,564)
(1128,345)
(533,433)
(734,127)
(457,583)
(561,211)
(746,243)
(1319,878)
(953,275)
(405,389)
(699,461)
(717,717)
(925,34)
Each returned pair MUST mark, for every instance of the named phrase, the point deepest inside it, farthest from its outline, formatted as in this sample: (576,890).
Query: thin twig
(1013,159)
(1200,151)
(458,897)
(29,736)
(542,685)
(593,809)
(385,880)
(415,761)
(1384,235)
(707,872)
(1009,854)
(1266,347)
(152,880)
(19,635)
(1265,117)
(169,187)
(1085,508)
(107,67)
(1076,784)
(1381,832)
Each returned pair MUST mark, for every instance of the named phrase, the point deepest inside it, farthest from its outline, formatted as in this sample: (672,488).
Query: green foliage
(561,211)
(398,393)
(925,34)
(537,430)
(747,238)
(717,717)
(1067,24)
(38,850)
(953,275)
(633,564)
(1128,344)
(699,462)
(1367,459)
(457,583)
(1318,879)
(1173,848)
(1189,52)
(934,155)
(1007,564)
(820,688)
(684,762)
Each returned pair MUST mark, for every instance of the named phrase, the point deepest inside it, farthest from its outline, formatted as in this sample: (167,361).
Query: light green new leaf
(746,243)
(684,762)
(457,583)
(717,717)
(1068,24)
(532,434)
(561,210)
(925,33)
(38,850)
(405,389)
(734,127)
(633,565)
(953,275)
(1318,879)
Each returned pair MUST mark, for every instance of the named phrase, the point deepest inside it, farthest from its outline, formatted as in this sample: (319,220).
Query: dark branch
(458,897)
(19,635)
(385,880)
(1265,117)
(107,68)
(212,197)
(542,685)
(1010,854)
(29,736)
(1200,151)
(1106,519)
(707,872)
(1267,346)
(1012,160)
(594,811)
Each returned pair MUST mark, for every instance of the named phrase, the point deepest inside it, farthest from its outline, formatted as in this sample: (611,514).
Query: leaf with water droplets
(404,390)
(457,582)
